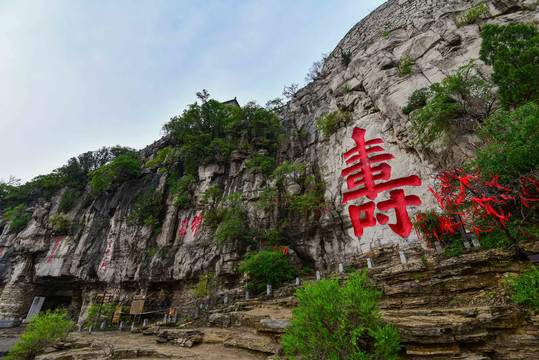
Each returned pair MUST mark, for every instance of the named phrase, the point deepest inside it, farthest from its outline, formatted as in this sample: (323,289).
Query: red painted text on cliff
(53,251)
(364,178)
(106,258)
(195,224)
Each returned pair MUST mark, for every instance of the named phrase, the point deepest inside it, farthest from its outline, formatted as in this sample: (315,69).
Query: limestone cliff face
(103,251)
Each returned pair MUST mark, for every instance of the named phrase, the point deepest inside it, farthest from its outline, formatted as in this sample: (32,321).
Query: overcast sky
(79,75)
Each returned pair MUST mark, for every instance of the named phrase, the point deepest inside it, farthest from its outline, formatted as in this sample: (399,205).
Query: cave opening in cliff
(61,295)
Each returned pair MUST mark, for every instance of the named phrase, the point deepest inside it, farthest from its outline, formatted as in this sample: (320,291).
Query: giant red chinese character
(195,224)
(185,226)
(365,179)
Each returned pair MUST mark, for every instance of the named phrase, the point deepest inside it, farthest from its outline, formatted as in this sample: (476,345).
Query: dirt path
(125,345)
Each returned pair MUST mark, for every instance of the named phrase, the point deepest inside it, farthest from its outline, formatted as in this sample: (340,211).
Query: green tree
(19,217)
(43,331)
(196,129)
(513,51)
(75,173)
(230,219)
(269,267)
(147,210)
(510,146)
(466,92)
(105,311)
(339,322)
(125,167)
(209,131)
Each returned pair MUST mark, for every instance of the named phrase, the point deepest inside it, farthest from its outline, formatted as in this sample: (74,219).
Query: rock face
(102,252)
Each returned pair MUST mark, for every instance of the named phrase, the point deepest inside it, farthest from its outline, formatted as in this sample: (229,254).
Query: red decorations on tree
(284,249)
(434,224)
(469,194)
(366,179)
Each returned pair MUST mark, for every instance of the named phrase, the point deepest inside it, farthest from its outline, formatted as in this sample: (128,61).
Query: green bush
(404,66)
(525,288)
(472,15)
(211,196)
(165,156)
(230,219)
(261,163)
(309,198)
(346,58)
(43,331)
(466,92)
(105,312)
(510,146)
(269,267)
(312,199)
(333,322)
(19,217)
(181,189)
(417,100)
(210,131)
(329,123)
(494,240)
(513,51)
(61,223)
(205,286)
(123,168)
(147,210)
(68,199)
(436,226)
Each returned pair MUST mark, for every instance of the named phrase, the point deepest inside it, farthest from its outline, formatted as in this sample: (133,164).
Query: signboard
(117,313)
(35,308)
(137,304)
(171,312)
(106,297)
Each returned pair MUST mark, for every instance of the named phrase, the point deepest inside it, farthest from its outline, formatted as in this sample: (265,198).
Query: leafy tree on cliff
(123,168)
(209,131)
(510,145)
(513,51)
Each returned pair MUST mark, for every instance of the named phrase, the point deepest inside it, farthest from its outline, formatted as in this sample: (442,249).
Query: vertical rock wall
(103,251)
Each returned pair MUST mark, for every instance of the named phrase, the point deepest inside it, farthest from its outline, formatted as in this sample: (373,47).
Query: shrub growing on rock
(267,267)
(123,168)
(510,145)
(525,288)
(513,52)
(43,331)
(61,223)
(19,217)
(339,322)
(330,123)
